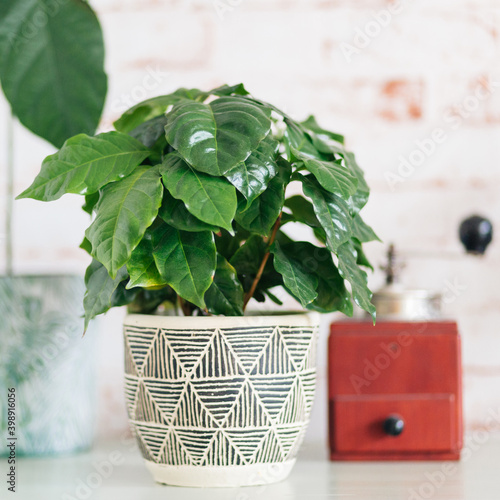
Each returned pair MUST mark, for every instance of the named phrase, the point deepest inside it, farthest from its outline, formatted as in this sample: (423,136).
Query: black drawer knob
(394,425)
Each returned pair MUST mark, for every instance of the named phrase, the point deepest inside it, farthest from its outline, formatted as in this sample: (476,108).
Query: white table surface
(475,477)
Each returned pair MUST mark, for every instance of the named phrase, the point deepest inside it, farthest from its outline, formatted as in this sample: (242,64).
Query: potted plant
(190,196)
(53,406)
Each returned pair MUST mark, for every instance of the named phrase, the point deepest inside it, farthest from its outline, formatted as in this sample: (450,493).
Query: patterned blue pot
(45,360)
(220,401)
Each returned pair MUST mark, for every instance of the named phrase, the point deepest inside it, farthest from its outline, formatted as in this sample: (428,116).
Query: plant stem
(10,195)
(256,280)
(184,307)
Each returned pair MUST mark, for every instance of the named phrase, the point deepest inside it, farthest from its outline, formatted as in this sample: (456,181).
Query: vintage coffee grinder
(395,389)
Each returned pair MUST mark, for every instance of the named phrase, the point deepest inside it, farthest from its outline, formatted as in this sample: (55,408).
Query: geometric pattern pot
(220,401)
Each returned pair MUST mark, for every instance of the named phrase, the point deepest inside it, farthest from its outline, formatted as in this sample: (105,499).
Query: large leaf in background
(332,176)
(52,66)
(175,213)
(210,199)
(362,231)
(332,293)
(331,211)
(225,295)
(156,106)
(349,270)
(142,266)
(186,261)
(312,125)
(261,215)
(251,177)
(215,137)
(297,279)
(124,212)
(85,164)
(100,289)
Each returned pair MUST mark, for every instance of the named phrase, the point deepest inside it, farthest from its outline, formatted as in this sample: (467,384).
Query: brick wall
(414,86)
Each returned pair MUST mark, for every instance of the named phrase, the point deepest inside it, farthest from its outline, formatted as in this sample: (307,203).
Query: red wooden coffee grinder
(395,389)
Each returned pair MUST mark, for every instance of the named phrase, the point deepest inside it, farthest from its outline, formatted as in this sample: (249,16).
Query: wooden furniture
(395,391)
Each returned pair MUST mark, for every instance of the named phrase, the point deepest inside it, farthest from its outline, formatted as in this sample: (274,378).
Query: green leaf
(360,197)
(261,215)
(86,245)
(153,107)
(362,259)
(312,125)
(52,66)
(358,279)
(175,213)
(362,231)
(332,176)
(149,132)
(100,289)
(302,210)
(228,244)
(331,211)
(295,139)
(246,260)
(85,164)
(300,283)
(225,90)
(125,210)
(142,266)
(225,295)
(210,199)
(91,201)
(215,137)
(186,261)
(332,293)
(252,176)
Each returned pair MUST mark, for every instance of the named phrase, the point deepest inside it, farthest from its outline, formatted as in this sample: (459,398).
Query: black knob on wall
(394,425)
(476,233)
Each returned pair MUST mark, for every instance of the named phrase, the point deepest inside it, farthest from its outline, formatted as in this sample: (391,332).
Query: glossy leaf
(210,199)
(125,210)
(225,295)
(153,107)
(332,293)
(100,289)
(300,283)
(362,231)
(333,177)
(331,211)
(362,259)
(360,197)
(52,66)
(296,139)
(186,261)
(142,266)
(225,90)
(150,131)
(349,270)
(175,213)
(312,125)
(91,201)
(251,177)
(215,137)
(85,164)
(261,215)
(302,210)
(246,260)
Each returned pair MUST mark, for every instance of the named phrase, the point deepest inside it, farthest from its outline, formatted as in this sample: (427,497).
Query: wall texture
(414,86)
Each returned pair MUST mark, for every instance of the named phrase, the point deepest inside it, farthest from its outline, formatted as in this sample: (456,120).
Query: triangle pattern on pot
(218,396)
(272,392)
(222,452)
(147,408)
(308,382)
(131,387)
(139,342)
(274,357)
(247,344)
(247,441)
(298,344)
(270,449)
(196,442)
(161,361)
(188,350)
(218,360)
(192,412)
(247,410)
(166,395)
(295,408)
(290,438)
(174,452)
(152,436)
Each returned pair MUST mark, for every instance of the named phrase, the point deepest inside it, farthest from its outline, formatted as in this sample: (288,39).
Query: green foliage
(190,203)
(52,66)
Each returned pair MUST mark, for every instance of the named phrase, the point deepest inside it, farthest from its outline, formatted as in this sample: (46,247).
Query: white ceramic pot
(220,401)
